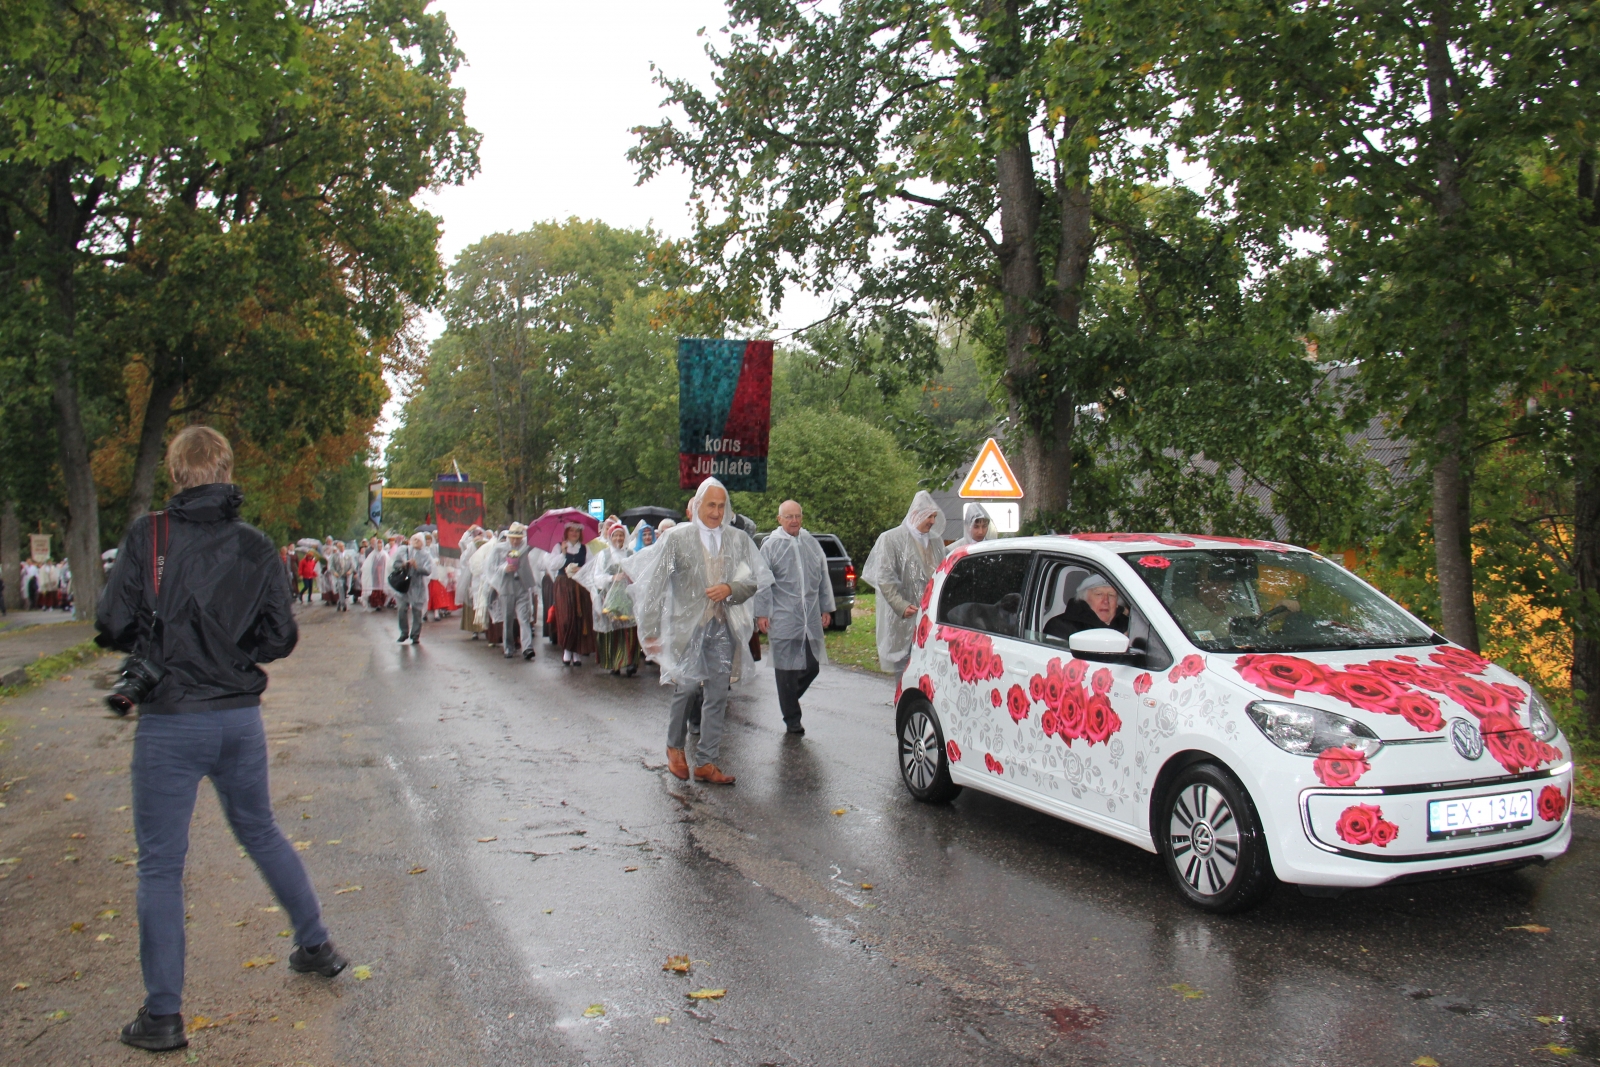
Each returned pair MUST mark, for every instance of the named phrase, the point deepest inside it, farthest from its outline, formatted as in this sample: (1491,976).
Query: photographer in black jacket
(197,597)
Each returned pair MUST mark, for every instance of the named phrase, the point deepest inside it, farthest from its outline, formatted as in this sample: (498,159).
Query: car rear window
(831,546)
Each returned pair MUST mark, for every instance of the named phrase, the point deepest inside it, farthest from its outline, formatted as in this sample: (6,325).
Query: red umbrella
(545,531)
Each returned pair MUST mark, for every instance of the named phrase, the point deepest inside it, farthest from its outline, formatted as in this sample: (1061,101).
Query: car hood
(1402,692)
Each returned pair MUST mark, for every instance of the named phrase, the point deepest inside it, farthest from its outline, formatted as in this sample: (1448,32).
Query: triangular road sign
(991,477)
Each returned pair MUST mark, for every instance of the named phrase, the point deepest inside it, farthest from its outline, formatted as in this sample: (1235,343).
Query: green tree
(851,478)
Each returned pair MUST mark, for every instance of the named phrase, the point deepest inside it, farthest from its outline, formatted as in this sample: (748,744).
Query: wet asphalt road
(990,934)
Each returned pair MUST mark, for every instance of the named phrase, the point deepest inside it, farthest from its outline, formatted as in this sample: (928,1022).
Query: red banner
(457,506)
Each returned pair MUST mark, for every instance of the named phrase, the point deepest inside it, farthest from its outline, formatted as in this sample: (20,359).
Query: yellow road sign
(407,494)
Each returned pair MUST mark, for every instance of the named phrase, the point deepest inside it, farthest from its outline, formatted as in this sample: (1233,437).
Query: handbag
(400,578)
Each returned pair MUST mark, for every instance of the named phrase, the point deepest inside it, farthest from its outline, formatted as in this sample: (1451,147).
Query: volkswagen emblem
(1465,737)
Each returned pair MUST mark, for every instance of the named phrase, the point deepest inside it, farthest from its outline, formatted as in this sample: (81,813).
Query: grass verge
(52,667)
(858,646)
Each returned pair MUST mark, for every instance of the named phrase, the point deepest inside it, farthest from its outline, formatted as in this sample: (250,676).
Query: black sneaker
(403,639)
(325,961)
(414,640)
(158,1033)
(796,729)
(528,653)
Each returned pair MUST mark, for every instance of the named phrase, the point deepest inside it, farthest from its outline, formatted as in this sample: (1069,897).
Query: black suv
(841,570)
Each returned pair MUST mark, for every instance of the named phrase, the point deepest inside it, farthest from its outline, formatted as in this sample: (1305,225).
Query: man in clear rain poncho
(692,599)
(975,526)
(516,574)
(413,561)
(795,610)
(898,569)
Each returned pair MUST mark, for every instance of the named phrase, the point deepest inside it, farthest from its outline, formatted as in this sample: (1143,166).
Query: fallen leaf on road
(19,987)
(337,841)
(8,862)
(200,1022)
(104,937)
(285,933)
(866,885)
(77,928)
(305,798)
(418,870)
(1532,928)
(663,1019)
(1554,1049)
(109,913)
(1424,1061)
(838,811)
(304,815)
(124,807)
(1187,991)
(707,994)
(594,1011)
(676,964)
(1548,1019)
(629,870)
(70,796)
(302,846)
(347,736)
(486,840)
(299,1026)
(260,961)
(77,837)
(347,889)
(241,922)
(272,907)
(362,972)
(549,911)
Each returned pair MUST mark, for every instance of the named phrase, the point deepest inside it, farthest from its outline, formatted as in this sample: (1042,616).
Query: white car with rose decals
(1249,710)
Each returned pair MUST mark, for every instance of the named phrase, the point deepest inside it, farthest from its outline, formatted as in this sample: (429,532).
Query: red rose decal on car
(1340,767)
(993,765)
(1017,704)
(1156,563)
(1512,746)
(994,697)
(1141,684)
(953,750)
(1513,694)
(949,561)
(1074,671)
(1552,804)
(1070,713)
(924,628)
(1101,682)
(1134,538)
(1369,692)
(927,595)
(1478,697)
(1283,675)
(1459,660)
(1364,824)
(1099,721)
(1397,671)
(973,654)
(1190,666)
(1420,710)
(926,685)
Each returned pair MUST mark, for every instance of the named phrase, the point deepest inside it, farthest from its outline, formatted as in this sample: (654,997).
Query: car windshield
(1257,600)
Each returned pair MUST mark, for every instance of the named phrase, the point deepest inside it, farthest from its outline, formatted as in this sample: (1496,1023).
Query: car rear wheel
(1212,842)
(924,762)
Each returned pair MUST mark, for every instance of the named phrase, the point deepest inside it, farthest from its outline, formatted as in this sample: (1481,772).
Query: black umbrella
(648,514)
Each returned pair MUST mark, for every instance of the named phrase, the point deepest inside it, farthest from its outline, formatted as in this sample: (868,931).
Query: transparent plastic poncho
(801,591)
(898,569)
(612,599)
(670,580)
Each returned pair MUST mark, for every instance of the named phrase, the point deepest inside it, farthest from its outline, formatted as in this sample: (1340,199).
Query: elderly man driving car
(1095,606)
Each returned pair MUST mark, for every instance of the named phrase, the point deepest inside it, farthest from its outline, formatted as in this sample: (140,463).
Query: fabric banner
(375,503)
(456,507)
(724,412)
(39,547)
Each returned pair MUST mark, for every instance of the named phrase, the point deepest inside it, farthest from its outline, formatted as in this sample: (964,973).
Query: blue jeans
(171,753)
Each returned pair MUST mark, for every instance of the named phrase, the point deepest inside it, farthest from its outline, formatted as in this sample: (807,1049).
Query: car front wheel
(1212,842)
(924,762)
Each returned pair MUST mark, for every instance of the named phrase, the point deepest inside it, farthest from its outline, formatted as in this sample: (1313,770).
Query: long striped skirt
(619,649)
(574,617)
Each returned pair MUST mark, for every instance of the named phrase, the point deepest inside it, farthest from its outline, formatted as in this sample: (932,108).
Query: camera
(139,679)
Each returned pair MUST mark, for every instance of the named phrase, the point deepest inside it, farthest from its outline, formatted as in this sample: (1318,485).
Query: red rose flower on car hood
(1369,692)
(1364,824)
(1459,660)
(1552,803)
(1283,675)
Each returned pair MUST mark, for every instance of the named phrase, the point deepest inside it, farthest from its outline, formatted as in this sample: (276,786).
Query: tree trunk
(1452,500)
(1452,542)
(157,410)
(66,224)
(11,555)
(1586,565)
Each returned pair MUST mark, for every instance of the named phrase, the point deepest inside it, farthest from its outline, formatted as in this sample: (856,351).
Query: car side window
(984,592)
(1074,595)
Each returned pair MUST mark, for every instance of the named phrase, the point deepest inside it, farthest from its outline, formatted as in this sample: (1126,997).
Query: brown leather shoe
(677,764)
(709,773)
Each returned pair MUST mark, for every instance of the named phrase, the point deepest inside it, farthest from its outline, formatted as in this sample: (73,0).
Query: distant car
(840,570)
(1250,711)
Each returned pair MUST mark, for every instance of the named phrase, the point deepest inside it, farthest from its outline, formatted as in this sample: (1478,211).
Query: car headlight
(1540,721)
(1308,731)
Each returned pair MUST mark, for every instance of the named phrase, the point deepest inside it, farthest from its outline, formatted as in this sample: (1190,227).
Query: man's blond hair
(199,455)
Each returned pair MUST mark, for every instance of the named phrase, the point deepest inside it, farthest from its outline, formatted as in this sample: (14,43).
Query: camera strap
(160,534)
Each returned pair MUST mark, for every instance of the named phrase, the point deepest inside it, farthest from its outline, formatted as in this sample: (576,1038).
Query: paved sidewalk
(20,646)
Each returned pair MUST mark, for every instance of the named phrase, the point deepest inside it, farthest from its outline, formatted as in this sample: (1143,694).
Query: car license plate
(1476,815)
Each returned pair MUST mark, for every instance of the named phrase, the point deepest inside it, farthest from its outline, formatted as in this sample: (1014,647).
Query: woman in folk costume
(574,608)
(471,539)
(975,526)
(691,597)
(373,571)
(616,632)
(491,556)
(899,568)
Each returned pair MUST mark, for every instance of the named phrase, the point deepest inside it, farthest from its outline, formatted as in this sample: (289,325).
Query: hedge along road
(558,868)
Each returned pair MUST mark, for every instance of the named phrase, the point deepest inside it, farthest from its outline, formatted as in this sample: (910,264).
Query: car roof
(1114,544)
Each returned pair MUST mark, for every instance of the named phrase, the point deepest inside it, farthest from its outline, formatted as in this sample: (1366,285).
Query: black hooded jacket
(223,606)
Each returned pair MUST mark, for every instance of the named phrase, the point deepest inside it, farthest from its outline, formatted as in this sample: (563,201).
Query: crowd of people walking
(42,586)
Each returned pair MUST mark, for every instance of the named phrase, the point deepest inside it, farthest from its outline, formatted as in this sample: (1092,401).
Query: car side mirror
(1103,641)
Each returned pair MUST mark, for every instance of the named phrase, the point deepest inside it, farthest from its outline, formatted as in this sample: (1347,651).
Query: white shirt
(710,536)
